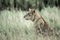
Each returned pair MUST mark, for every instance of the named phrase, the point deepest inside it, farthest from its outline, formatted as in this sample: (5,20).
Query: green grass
(14,27)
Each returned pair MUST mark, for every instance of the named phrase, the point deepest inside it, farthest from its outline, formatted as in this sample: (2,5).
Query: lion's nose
(24,16)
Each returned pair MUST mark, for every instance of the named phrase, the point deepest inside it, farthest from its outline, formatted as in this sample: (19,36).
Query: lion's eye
(29,14)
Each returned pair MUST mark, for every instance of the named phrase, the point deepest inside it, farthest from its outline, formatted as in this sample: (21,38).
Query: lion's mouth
(26,18)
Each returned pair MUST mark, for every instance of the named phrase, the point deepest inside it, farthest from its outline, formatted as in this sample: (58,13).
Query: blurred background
(13,26)
(26,4)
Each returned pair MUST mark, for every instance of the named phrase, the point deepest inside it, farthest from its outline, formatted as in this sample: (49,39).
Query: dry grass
(14,27)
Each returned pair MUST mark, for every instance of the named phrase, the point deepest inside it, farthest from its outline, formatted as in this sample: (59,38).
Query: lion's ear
(29,9)
(33,10)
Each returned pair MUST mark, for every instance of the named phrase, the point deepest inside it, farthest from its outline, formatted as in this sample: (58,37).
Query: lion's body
(41,25)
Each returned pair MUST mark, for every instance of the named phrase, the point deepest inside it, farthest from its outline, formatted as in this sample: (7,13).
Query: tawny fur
(41,25)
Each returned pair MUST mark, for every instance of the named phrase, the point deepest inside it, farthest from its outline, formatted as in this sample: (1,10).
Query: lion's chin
(27,19)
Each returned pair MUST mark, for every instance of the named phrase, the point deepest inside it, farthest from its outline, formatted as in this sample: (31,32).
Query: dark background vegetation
(26,4)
